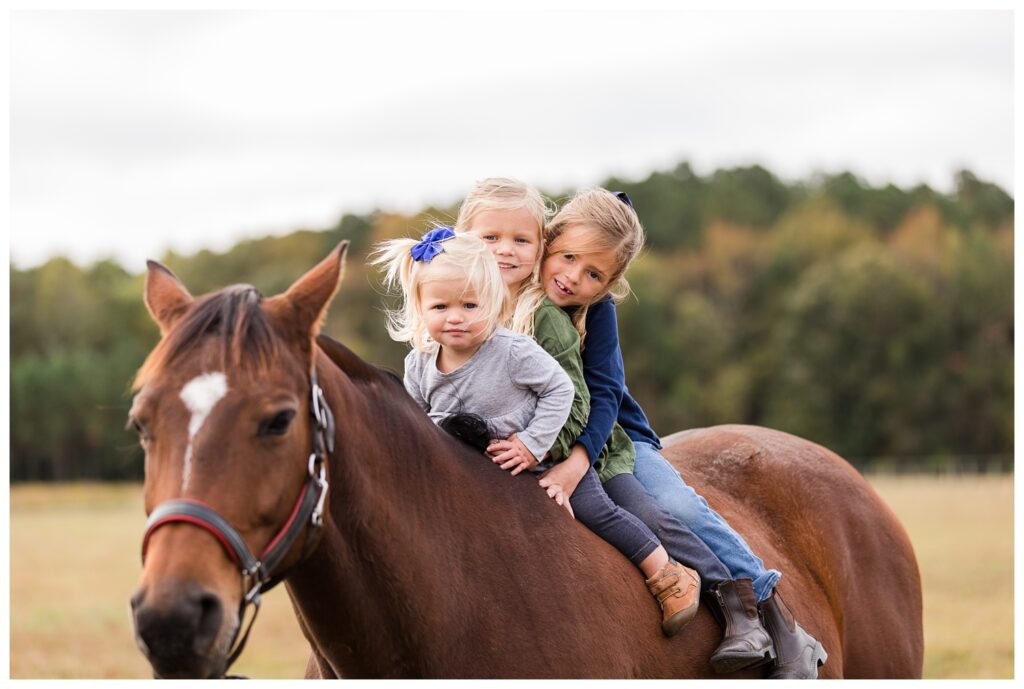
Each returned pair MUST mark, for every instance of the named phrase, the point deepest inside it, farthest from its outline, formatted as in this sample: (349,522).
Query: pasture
(75,561)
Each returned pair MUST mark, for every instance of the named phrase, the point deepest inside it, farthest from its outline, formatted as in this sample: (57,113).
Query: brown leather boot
(746,642)
(798,654)
(677,589)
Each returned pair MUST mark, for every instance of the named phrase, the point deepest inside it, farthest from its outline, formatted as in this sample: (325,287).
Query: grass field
(75,561)
(962,530)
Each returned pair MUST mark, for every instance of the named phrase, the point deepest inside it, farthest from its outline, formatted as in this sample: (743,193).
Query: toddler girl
(454,297)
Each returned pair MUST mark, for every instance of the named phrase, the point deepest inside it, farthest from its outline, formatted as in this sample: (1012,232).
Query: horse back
(849,571)
(499,581)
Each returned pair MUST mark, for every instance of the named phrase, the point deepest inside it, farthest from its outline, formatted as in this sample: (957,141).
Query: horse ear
(165,296)
(303,307)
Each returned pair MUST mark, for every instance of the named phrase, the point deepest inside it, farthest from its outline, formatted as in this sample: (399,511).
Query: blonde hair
(614,226)
(502,194)
(507,194)
(462,257)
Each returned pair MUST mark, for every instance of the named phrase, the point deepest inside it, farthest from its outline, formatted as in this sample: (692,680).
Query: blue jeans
(666,485)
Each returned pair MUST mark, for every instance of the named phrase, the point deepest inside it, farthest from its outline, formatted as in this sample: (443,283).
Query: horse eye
(277,424)
(138,427)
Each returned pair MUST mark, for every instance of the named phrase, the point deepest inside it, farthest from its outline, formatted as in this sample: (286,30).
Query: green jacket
(555,332)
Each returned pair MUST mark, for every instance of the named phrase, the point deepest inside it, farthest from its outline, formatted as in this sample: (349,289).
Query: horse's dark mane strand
(353,365)
(232,314)
(388,373)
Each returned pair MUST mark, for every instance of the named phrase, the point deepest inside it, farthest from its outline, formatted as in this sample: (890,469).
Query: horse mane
(461,453)
(353,366)
(469,429)
(233,315)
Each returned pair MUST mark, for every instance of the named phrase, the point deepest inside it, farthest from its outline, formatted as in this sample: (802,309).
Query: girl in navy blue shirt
(586,283)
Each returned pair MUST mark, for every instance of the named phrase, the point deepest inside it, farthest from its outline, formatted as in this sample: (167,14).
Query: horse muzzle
(183,630)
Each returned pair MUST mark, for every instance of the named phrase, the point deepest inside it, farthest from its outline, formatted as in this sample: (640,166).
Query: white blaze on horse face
(200,395)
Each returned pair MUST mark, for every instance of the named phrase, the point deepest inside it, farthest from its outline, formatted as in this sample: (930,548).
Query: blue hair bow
(430,245)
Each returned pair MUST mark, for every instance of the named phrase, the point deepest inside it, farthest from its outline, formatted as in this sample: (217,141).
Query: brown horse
(430,561)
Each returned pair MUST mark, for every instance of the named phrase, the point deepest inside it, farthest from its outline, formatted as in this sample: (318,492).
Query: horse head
(235,431)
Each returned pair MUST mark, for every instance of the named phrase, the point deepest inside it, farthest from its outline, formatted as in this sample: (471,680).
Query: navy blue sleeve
(605,376)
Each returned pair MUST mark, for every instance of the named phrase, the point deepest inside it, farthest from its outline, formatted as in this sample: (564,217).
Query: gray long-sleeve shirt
(511,382)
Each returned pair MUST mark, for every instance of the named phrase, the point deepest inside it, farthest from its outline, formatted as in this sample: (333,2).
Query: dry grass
(962,530)
(75,561)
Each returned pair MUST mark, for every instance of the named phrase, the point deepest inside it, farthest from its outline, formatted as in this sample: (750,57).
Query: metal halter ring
(317,517)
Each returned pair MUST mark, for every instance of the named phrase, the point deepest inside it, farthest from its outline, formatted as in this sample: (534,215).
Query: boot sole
(735,662)
(820,658)
(677,622)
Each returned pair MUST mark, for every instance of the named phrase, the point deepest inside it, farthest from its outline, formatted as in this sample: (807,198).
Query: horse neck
(385,566)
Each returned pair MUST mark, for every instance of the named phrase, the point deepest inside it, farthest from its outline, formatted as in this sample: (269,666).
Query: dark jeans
(681,543)
(595,510)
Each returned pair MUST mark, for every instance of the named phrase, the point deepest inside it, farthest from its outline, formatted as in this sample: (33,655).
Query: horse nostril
(211,612)
(136,599)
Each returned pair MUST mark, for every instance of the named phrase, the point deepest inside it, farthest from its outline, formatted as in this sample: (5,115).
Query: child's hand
(511,454)
(557,493)
(567,474)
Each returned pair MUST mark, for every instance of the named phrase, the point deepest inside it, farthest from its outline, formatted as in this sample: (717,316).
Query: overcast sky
(135,132)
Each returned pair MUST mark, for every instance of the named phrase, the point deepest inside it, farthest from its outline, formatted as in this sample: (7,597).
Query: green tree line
(877,321)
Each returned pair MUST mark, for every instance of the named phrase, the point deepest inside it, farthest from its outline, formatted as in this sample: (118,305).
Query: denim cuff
(765,584)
